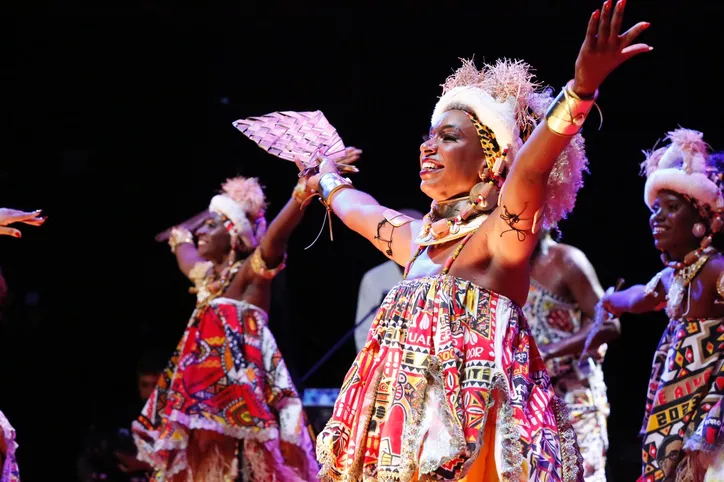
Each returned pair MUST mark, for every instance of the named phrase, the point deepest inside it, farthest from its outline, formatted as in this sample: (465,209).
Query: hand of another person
(12,216)
(612,301)
(325,166)
(343,164)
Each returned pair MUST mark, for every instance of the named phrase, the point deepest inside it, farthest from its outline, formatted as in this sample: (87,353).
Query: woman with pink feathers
(226,408)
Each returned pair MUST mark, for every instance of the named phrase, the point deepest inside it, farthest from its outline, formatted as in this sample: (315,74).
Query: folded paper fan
(294,136)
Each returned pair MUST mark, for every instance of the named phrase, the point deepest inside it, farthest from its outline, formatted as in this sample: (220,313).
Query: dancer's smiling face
(214,241)
(451,158)
(672,221)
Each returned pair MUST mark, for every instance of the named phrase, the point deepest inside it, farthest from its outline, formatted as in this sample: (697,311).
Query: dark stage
(120,125)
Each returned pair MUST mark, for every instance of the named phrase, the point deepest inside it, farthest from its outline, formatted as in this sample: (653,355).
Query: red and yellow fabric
(443,356)
(228,376)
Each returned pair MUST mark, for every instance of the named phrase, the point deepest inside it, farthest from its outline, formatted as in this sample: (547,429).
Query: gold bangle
(568,112)
(260,268)
(330,183)
(179,235)
(302,193)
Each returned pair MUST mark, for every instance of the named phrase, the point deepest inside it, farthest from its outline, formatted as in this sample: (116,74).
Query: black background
(119,125)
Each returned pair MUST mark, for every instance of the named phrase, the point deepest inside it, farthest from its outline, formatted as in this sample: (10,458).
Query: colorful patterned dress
(448,384)
(553,318)
(10,472)
(684,402)
(228,376)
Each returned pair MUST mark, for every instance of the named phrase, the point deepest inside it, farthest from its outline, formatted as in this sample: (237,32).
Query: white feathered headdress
(684,166)
(505,98)
(242,203)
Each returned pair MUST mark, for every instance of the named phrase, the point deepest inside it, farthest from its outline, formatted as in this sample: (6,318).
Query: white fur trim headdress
(505,98)
(242,203)
(685,167)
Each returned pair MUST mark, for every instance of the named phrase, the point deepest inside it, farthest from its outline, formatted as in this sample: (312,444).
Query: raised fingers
(5,231)
(604,26)
(592,29)
(9,216)
(631,34)
(35,221)
(617,20)
(633,50)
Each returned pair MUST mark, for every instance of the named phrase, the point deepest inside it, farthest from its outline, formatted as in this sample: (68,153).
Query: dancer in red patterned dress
(682,430)
(449,383)
(226,397)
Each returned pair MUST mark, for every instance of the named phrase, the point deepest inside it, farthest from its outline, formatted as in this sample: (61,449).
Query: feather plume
(247,193)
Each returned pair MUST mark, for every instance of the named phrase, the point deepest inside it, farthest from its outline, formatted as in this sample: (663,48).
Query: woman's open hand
(605,48)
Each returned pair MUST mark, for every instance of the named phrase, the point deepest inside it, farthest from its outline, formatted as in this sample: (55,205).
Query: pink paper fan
(294,135)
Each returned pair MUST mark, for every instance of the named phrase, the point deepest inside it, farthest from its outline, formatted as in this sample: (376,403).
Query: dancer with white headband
(226,408)
(682,429)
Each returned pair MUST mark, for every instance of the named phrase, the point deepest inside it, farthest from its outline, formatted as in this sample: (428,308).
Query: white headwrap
(685,167)
(242,203)
(505,98)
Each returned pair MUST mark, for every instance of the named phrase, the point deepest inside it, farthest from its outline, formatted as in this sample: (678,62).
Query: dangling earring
(484,194)
(234,248)
(699,230)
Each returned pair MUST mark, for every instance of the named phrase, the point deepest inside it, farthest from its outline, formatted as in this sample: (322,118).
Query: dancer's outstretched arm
(638,298)
(390,232)
(523,195)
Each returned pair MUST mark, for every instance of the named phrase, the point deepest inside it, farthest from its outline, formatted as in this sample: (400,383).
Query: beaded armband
(260,268)
(650,289)
(302,192)
(179,236)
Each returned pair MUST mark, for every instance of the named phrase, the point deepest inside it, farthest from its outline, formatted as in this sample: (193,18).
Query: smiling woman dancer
(226,396)
(449,383)
(682,427)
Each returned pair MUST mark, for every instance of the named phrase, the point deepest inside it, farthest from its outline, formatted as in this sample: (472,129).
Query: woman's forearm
(187,256)
(574,344)
(274,243)
(354,209)
(635,299)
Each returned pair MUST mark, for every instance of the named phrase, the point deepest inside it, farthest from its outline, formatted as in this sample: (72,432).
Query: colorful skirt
(227,376)
(684,404)
(585,397)
(448,364)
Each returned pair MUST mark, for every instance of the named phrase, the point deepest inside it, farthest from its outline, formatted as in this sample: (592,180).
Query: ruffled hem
(697,442)
(182,424)
(505,427)
(570,454)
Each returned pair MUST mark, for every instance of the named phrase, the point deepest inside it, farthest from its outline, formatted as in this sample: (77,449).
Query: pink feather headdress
(242,202)
(507,99)
(684,166)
